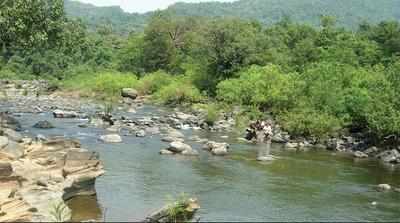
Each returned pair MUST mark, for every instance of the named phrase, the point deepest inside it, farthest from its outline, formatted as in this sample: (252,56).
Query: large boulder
(129,93)
(13,150)
(12,135)
(112,138)
(65,114)
(7,121)
(3,142)
(389,156)
(43,125)
(218,149)
(178,147)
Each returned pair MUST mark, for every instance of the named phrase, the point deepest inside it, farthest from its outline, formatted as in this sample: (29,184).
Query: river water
(299,186)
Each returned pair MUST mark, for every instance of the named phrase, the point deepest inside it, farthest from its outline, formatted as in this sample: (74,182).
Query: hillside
(93,16)
(348,13)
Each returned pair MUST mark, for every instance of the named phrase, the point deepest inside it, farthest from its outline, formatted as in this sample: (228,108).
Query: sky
(141,5)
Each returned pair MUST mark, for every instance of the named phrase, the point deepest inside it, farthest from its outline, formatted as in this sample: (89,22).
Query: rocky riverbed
(148,132)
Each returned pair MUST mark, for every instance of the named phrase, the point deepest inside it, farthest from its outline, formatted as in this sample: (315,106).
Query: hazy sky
(141,5)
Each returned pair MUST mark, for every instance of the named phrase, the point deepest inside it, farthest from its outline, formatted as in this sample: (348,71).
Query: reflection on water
(85,208)
(312,186)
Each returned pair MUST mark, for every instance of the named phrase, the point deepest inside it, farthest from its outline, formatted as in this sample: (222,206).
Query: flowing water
(308,186)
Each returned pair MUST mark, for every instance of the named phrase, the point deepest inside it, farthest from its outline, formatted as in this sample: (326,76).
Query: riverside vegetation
(316,81)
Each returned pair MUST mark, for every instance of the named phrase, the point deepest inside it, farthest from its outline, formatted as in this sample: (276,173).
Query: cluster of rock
(36,176)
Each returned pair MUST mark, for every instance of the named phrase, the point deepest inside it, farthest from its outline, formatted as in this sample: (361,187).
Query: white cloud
(141,5)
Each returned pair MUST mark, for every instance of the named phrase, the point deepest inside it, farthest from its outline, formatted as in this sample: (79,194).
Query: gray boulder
(178,147)
(43,125)
(129,93)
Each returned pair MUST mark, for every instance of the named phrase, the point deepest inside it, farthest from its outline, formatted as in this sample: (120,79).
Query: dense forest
(349,14)
(317,81)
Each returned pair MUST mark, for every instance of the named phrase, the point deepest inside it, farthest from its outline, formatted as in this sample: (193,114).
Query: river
(298,186)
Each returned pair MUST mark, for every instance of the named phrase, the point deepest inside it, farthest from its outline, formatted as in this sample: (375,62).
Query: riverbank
(139,178)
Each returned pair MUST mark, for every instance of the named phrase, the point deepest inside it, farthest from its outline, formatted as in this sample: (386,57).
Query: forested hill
(94,16)
(348,12)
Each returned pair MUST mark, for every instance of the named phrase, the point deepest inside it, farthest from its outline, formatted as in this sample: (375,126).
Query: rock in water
(360,155)
(266,158)
(218,149)
(389,156)
(129,93)
(112,138)
(384,187)
(43,125)
(140,133)
(178,147)
(65,114)
(188,206)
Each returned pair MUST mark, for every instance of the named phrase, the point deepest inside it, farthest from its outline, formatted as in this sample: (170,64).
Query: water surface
(312,186)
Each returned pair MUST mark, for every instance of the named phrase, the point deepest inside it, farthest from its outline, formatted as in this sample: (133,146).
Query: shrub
(178,92)
(309,122)
(212,114)
(153,82)
(258,86)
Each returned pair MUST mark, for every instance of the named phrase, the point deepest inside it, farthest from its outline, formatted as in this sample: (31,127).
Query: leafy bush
(153,82)
(212,114)
(265,87)
(178,92)
(309,122)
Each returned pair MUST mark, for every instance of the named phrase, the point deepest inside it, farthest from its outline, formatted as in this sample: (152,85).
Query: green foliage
(60,212)
(177,209)
(308,122)
(212,114)
(153,82)
(104,85)
(264,87)
(179,91)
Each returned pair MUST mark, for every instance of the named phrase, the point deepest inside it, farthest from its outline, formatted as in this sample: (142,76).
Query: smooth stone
(190,152)
(178,147)
(112,138)
(384,187)
(129,93)
(5,169)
